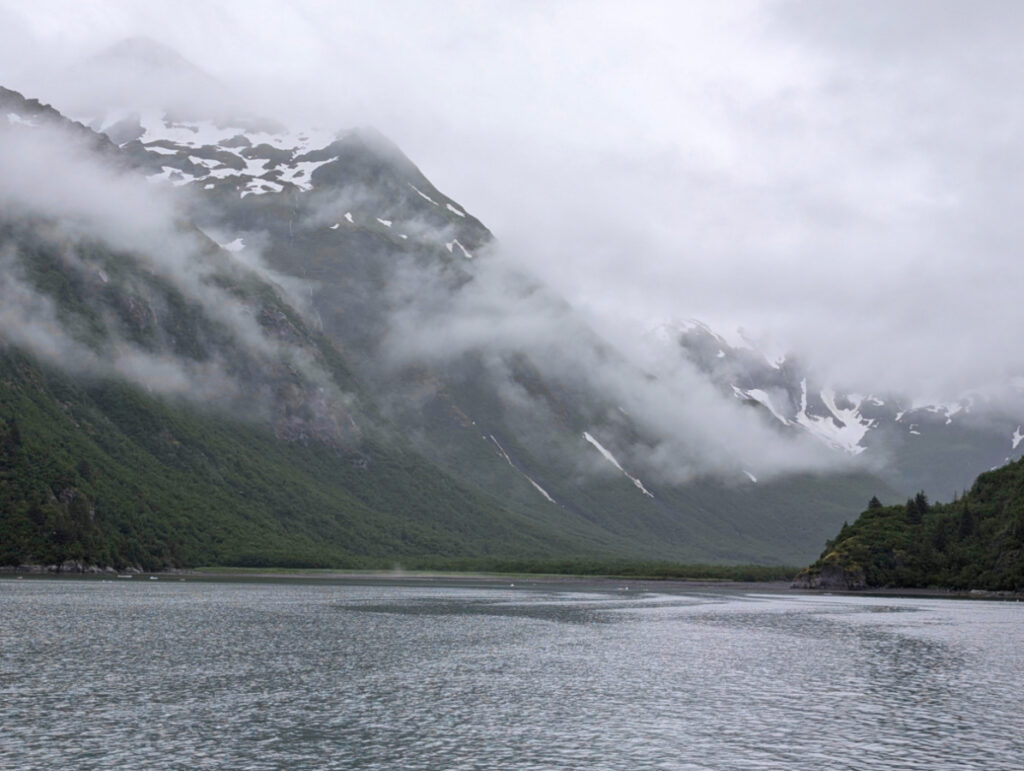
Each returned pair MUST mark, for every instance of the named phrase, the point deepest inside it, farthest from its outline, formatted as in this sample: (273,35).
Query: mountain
(314,356)
(913,445)
(975,542)
(358,219)
(170,407)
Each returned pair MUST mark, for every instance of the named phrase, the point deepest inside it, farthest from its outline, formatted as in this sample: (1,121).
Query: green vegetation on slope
(287,463)
(102,473)
(976,542)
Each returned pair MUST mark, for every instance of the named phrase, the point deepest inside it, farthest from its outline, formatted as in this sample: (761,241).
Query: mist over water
(341,675)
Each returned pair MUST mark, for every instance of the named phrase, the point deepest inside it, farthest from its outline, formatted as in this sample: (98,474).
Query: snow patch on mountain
(17,120)
(450,246)
(503,454)
(843,428)
(300,173)
(947,410)
(735,338)
(669,333)
(765,400)
(259,161)
(501,451)
(170,174)
(541,490)
(196,134)
(261,187)
(611,459)
(423,195)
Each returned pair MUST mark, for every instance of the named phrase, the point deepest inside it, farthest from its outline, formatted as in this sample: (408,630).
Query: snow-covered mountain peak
(253,158)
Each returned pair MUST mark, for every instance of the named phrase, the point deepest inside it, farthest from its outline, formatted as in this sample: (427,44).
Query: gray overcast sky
(841,179)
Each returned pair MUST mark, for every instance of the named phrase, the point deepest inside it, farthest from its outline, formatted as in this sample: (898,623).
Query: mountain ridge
(364,233)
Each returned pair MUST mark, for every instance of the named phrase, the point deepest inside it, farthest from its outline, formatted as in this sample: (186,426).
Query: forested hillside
(975,542)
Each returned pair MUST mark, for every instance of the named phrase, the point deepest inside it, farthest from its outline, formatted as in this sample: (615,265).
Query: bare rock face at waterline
(831,575)
(224,341)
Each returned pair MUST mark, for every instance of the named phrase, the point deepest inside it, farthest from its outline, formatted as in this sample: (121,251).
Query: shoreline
(524,581)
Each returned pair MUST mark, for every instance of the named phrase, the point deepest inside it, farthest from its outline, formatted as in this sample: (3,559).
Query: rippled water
(162,674)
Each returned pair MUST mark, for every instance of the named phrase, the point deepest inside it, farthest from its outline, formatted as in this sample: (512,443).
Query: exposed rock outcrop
(831,574)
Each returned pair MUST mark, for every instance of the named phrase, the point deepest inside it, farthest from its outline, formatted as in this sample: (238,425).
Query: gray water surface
(166,674)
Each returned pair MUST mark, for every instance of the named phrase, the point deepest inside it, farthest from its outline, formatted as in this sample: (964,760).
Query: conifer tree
(913,512)
(966,527)
(921,500)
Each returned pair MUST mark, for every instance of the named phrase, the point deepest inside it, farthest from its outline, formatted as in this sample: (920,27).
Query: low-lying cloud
(53,186)
(840,182)
(676,424)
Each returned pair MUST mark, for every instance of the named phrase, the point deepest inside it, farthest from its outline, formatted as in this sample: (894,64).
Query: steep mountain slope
(182,413)
(341,265)
(155,434)
(375,237)
(102,474)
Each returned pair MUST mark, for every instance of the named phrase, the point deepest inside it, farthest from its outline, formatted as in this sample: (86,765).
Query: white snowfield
(222,157)
(257,175)
(286,166)
(842,428)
